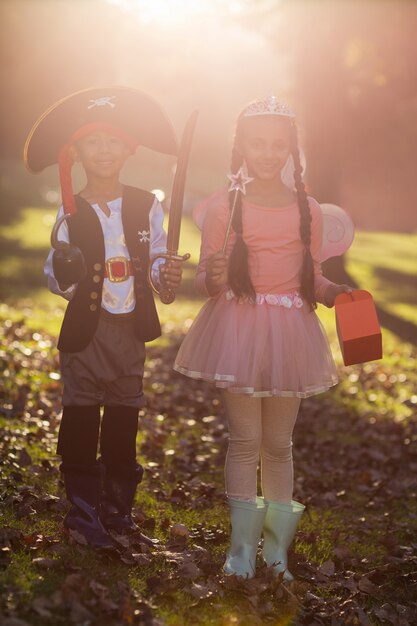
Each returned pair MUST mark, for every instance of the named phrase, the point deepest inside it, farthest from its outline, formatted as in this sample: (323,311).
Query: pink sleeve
(212,238)
(321,283)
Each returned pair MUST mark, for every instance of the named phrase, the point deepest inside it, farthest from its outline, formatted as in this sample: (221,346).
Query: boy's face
(101,154)
(265,145)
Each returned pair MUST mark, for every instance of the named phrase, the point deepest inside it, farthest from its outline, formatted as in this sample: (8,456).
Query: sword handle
(166,294)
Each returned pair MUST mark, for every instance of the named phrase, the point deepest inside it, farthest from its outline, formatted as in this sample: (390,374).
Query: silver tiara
(267,106)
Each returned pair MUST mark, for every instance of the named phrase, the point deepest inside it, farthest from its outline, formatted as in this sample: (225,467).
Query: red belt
(118,269)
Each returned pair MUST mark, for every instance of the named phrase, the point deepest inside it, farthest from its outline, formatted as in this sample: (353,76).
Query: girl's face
(264,143)
(102,154)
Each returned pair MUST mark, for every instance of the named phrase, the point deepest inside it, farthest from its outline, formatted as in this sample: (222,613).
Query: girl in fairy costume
(258,337)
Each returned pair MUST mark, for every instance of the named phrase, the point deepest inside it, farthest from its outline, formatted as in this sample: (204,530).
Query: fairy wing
(338,231)
(203,207)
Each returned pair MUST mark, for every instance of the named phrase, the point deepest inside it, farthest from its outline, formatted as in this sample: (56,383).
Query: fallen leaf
(366,586)
(42,606)
(179,530)
(199,591)
(24,458)
(46,563)
(189,570)
(79,614)
(328,568)
(76,537)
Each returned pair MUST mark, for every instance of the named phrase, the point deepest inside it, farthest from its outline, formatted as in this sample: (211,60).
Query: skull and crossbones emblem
(102,102)
(144,236)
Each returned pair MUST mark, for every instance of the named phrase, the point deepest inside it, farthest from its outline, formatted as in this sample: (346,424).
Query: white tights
(260,428)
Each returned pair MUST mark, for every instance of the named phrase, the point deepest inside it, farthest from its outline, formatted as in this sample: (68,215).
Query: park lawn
(354,546)
(383,263)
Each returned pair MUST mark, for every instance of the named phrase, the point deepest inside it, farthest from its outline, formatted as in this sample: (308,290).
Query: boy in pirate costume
(107,233)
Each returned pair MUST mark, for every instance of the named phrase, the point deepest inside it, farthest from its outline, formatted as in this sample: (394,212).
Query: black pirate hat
(133,112)
(129,113)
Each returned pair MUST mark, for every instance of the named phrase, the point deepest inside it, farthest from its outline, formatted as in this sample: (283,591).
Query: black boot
(77,445)
(83,486)
(123,473)
(119,494)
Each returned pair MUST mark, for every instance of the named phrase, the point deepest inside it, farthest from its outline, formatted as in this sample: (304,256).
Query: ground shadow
(401,286)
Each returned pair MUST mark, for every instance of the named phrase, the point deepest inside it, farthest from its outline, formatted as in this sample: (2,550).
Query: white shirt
(117,297)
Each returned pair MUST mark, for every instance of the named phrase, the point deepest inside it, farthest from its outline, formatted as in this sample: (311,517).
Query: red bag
(358,327)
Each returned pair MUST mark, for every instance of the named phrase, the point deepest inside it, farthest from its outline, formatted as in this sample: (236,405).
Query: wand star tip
(239,180)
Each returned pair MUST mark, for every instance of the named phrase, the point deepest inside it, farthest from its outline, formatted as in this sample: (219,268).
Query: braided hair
(238,268)
(307,272)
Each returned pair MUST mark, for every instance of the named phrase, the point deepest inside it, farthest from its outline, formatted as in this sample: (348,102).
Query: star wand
(238,184)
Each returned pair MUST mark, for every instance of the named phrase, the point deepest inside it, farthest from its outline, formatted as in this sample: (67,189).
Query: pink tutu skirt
(276,347)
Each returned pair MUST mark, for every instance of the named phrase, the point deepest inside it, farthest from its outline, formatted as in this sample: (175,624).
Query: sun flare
(167,12)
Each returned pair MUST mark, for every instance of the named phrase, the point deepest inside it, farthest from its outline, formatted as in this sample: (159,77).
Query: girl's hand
(332,291)
(171,273)
(216,272)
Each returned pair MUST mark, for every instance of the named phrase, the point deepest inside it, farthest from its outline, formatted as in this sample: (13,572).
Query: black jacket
(82,314)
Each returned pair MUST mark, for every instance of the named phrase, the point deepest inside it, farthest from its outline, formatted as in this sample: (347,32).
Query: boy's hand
(170,274)
(216,272)
(332,291)
(68,265)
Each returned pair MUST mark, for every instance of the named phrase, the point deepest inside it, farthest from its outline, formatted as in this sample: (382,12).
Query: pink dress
(276,346)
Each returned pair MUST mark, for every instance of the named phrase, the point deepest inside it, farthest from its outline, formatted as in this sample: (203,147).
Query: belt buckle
(116,277)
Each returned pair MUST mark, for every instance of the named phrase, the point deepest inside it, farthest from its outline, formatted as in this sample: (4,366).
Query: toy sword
(166,294)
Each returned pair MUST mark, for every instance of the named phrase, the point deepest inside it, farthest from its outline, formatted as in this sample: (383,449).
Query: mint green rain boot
(247,520)
(281,521)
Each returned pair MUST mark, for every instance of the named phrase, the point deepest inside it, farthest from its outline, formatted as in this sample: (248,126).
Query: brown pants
(109,370)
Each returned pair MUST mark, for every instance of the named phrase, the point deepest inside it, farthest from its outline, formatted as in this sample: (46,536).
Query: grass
(386,265)
(383,263)
(36,583)
(23,290)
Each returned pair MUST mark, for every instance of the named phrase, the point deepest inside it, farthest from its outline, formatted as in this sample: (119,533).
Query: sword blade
(177,196)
